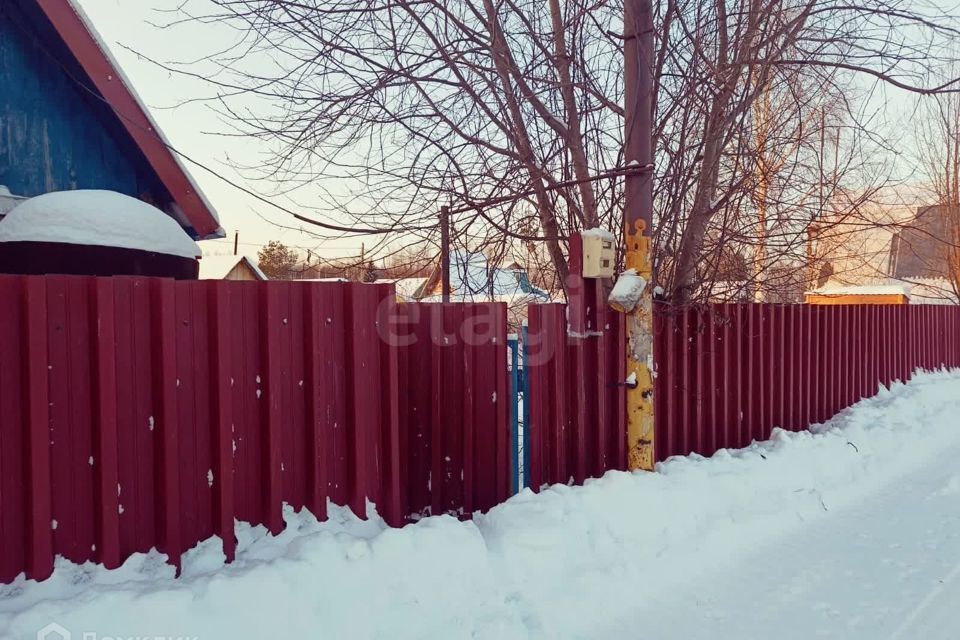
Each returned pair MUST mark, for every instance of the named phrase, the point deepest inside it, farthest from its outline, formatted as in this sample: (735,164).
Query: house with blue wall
(70,120)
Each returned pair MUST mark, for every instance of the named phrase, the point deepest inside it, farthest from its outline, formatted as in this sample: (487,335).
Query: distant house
(474,279)
(885,292)
(906,248)
(230,268)
(924,247)
(407,288)
(878,294)
(69,120)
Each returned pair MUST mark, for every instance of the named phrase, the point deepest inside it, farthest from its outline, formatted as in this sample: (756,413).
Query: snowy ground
(852,532)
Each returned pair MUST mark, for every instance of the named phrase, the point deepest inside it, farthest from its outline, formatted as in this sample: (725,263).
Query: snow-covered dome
(97,218)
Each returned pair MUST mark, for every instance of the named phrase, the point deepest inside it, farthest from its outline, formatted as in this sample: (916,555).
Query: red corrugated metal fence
(139,413)
(454,408)
(726,375)
(577,424)
(142,413)
(730,374)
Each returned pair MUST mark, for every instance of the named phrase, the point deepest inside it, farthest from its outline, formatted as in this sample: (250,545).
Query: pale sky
(125,25)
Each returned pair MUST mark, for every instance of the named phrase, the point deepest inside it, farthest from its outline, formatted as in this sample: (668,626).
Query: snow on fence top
(100,218)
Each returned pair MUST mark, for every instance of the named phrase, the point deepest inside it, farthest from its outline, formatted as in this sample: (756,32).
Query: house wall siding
(55,135)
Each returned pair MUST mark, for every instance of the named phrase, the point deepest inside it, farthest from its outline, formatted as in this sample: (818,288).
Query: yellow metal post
(640,366)
(637,225)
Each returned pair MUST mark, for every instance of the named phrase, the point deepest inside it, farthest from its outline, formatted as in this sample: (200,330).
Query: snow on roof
(511,300)
(884,289)
(407,287)
(217,267)
(8,201)
(932,291)
(918,290)
(100,218)
(474,279)
(471,276)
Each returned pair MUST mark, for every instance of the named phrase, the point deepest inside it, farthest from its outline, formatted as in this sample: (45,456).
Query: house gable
(59,130)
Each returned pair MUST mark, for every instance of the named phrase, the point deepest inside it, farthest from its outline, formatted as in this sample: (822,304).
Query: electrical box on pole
(599,254)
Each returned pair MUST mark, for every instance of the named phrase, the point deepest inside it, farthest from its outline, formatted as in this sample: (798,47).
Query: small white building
(230,268)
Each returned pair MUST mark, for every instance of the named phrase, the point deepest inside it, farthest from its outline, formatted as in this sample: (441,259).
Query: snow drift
(560,564)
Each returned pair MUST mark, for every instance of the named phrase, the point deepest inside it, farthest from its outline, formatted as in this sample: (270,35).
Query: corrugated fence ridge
(454,406)
(139,413)
(726,375)
(144,413)
(730,374)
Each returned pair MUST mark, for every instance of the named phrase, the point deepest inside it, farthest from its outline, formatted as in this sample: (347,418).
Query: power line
(289,246)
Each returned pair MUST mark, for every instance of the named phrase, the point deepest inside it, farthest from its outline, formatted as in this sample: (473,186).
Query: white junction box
(598,253)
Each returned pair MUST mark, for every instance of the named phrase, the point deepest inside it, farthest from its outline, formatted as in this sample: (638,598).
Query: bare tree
(938,144)
(510,110)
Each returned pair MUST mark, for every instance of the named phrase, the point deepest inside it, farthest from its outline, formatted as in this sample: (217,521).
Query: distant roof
(922,247)
(886,289)
(407,287)
(217,267)
(80,36)
(938,291)
(473,278)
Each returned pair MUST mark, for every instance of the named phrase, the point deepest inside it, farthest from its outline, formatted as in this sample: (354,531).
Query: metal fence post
(513,345)
(525,387)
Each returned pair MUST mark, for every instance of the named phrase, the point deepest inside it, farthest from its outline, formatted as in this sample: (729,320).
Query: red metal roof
(92,54)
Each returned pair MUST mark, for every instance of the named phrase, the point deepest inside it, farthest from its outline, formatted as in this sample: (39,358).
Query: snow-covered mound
(626,556)
(99,218)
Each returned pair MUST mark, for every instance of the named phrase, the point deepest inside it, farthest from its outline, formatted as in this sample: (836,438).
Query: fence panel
(726,374)
(785,367)
(454,411)
(138,413)
(577,388)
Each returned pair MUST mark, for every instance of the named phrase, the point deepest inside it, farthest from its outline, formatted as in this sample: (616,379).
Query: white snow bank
(561,564)
(101,218)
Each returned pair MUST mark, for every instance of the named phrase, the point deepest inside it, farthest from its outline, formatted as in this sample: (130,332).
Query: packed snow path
(888,567)
(852,532)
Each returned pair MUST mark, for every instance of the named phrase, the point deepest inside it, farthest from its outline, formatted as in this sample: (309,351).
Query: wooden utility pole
(445,253)
(638,228)
(236,243)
